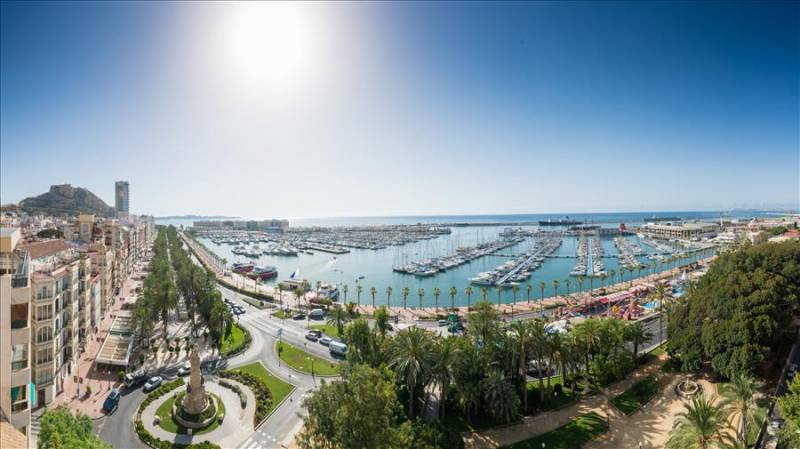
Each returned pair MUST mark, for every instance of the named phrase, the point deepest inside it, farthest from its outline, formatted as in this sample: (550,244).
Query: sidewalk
(100,382)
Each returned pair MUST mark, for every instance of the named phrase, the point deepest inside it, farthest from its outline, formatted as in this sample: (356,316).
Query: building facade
(121,198)
(15,332)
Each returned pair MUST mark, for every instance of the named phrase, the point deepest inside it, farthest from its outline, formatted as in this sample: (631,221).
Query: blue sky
(308,110)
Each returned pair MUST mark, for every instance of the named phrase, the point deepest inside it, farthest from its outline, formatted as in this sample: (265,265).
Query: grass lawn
(637,395)
(233,341)
(302,361)
(327,329)
(551,401)
(282,314)
(164,412)
(572,435)
(277,387)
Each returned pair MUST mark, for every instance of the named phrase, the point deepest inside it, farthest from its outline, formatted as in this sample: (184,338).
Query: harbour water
(373,268)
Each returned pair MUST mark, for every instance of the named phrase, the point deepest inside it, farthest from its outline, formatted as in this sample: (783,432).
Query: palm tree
(499,397)
(581,280)
(446,352)
(499,294)
(528,288)
(739,398)
(522,342)
(661,294)
(411,357)
(344,291)
(538,337)
(703,425)
(436,293)
(603,280)
(405,293)
(555,287)
(484,293)
(468,292)
(338,317)
(638,335)
(420,293)
(514,291)
(300,292)
(280,294)
(359,289)
(373,291)
(389,296)
(319,286)
(453,293)
(166,301)
(567,284)
(542,286)
(612,274)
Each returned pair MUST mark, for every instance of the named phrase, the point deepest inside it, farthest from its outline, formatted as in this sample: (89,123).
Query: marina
(462,255)
(371,266)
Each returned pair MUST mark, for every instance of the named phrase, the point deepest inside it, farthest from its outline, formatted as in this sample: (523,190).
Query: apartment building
(59,287)
(15,332)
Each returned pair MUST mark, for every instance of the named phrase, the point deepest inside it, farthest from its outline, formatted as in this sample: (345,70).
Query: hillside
(66,200)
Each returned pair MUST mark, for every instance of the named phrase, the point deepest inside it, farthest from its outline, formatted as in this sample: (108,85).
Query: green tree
(358,411)
(421,294)
(389,296)
(411,357)
(382,320)
(436,293)
(523,340)
(359,290)
(445,355)
(406,291)
(338,317)
(789,406)
(468,291)
(60,429)
(739,397)
(373,291)
(482,322)
(637,335)
(704,425)
(501,401)
(453,292)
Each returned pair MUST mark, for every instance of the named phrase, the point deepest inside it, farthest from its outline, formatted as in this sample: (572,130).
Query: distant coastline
(196,217)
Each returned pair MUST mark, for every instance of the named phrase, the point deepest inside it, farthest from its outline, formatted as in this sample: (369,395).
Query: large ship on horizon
(560,222)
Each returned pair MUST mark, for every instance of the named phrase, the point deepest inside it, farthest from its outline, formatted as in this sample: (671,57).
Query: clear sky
(263,110)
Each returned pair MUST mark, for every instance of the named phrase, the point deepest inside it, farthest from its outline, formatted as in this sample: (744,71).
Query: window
(44,312)
(44,377)
(19,398)
(19,357)
(44,334)
(19,316)
(44,356)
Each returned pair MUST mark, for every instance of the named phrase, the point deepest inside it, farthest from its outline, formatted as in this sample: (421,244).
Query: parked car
(325,341)
(316,332)
(134,379)
(299,316)
(185,369)
(112,401)
(317,314)
(312,336)
(443,323)
(153,383)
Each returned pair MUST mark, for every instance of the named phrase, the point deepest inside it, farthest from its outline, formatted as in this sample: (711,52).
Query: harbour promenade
(411,313)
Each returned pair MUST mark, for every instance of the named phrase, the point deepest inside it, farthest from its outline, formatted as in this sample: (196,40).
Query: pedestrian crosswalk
(261,440)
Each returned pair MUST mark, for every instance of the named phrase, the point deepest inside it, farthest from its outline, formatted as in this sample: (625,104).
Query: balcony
(44,296)
(19,324)
(19,407)
(19,365)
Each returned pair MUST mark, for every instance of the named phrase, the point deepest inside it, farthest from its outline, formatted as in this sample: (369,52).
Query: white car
(185,369)
(325,341)
(153,383)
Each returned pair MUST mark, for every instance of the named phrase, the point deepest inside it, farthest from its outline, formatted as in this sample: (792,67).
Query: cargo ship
(263,273)
(560,222)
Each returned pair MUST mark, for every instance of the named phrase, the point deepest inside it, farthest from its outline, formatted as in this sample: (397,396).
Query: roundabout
(217,412)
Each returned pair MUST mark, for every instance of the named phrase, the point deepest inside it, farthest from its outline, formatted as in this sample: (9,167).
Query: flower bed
(237,390)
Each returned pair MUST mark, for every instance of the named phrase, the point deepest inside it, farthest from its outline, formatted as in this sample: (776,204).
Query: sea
(373,268)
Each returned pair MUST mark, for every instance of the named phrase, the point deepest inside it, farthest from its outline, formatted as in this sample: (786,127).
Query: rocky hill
(66,200)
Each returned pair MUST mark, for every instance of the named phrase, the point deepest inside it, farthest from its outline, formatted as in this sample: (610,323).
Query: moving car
(153,383)
(317,314)
(312,336)
(443,322)
(112,401)
(299,316)
(325,341)
(337,348)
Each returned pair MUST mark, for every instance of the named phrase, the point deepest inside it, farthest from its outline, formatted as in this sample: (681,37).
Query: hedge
(260,390)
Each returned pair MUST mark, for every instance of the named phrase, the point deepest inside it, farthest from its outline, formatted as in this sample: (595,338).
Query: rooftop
(46,248)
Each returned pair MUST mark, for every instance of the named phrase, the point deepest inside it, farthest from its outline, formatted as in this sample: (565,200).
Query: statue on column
(195,401)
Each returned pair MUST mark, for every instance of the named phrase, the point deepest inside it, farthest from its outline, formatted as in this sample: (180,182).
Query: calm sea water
(376,265)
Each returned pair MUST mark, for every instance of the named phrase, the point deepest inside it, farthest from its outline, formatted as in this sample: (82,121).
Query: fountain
(687,388)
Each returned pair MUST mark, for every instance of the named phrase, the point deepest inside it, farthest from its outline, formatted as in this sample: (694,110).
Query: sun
(270,45)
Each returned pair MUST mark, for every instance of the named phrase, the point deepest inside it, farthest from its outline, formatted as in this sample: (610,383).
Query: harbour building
(15,337)
(121,198)
(685,231)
